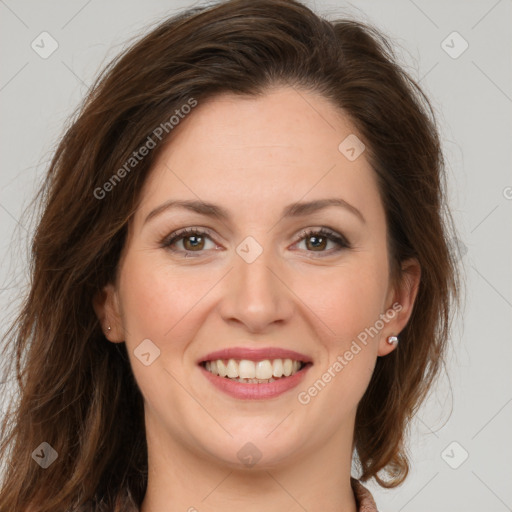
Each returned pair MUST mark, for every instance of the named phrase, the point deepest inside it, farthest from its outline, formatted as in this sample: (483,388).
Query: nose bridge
(255,294)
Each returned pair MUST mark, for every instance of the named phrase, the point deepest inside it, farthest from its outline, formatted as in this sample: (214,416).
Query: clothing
(364,499)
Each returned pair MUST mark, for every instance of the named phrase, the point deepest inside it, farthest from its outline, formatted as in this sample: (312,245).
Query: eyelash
(338,239)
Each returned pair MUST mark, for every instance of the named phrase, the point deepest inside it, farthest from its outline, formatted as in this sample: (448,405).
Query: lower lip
(246,391)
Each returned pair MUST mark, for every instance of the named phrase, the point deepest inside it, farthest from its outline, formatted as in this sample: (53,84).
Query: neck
(181,478)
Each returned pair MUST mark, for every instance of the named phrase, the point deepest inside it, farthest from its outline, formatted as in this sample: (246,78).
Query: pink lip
(255,391)
(255,354)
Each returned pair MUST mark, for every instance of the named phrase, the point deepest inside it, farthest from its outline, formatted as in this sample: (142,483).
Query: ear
(106,306)
(400,302)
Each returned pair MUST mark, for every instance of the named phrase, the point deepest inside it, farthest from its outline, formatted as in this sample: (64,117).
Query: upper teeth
(246,369)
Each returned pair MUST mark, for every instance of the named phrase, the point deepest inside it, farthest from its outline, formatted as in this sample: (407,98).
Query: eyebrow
(299,209)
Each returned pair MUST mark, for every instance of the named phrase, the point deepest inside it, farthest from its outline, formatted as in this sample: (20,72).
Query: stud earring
(392,340)
(109,328)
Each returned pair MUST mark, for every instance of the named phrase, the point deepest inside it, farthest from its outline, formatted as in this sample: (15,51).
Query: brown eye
(193,240)
(317,240)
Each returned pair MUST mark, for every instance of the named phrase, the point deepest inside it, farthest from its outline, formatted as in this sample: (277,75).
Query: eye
(193,240)
(318,239)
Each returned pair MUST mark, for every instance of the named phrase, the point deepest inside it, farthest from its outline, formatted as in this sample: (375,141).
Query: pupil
(317,238)
(197,238)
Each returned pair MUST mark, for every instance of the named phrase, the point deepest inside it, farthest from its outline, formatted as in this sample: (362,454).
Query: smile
(253,372)
(250,373)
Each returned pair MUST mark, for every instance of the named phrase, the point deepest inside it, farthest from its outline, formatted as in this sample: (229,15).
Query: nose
(256,294)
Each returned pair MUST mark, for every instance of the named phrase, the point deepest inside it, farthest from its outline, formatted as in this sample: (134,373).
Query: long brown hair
(76,390)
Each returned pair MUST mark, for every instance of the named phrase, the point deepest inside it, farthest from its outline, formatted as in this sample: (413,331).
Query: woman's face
(260,281)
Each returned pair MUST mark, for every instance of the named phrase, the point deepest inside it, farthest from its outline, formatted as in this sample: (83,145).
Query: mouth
(254,373)
(247,371)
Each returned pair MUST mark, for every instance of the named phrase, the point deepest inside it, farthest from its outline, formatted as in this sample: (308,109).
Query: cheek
(346,299)
(158,303)
(347,303)
(161,305)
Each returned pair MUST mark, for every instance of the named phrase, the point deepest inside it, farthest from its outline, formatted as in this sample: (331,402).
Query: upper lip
(255,354)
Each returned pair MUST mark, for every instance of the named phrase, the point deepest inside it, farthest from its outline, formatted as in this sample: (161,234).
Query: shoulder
(364,498)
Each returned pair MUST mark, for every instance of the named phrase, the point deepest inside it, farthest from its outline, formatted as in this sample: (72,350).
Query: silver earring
(109,328)
(392,340)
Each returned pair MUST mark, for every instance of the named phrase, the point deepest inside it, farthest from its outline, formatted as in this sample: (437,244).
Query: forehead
(286,118)
(273,149)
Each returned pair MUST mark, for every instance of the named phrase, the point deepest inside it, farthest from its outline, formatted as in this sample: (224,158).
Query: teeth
(287,367)
(232,369)
(253,372)
(277,368)
(263,369)
(221,368)
(247,369)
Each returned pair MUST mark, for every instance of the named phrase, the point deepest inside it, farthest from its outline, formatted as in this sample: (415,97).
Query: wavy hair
(76,390)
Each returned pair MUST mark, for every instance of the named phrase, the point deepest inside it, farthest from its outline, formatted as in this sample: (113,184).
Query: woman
(241,280)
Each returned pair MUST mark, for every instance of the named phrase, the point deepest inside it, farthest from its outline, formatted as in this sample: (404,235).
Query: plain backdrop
(460,51)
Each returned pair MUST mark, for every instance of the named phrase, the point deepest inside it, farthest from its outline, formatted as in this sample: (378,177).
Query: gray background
(472,95)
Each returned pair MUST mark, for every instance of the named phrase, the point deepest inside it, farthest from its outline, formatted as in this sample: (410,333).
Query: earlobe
(106,307)
(387,345)
(402,304)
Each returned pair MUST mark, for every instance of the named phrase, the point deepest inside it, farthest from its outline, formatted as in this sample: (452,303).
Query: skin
(254,156)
